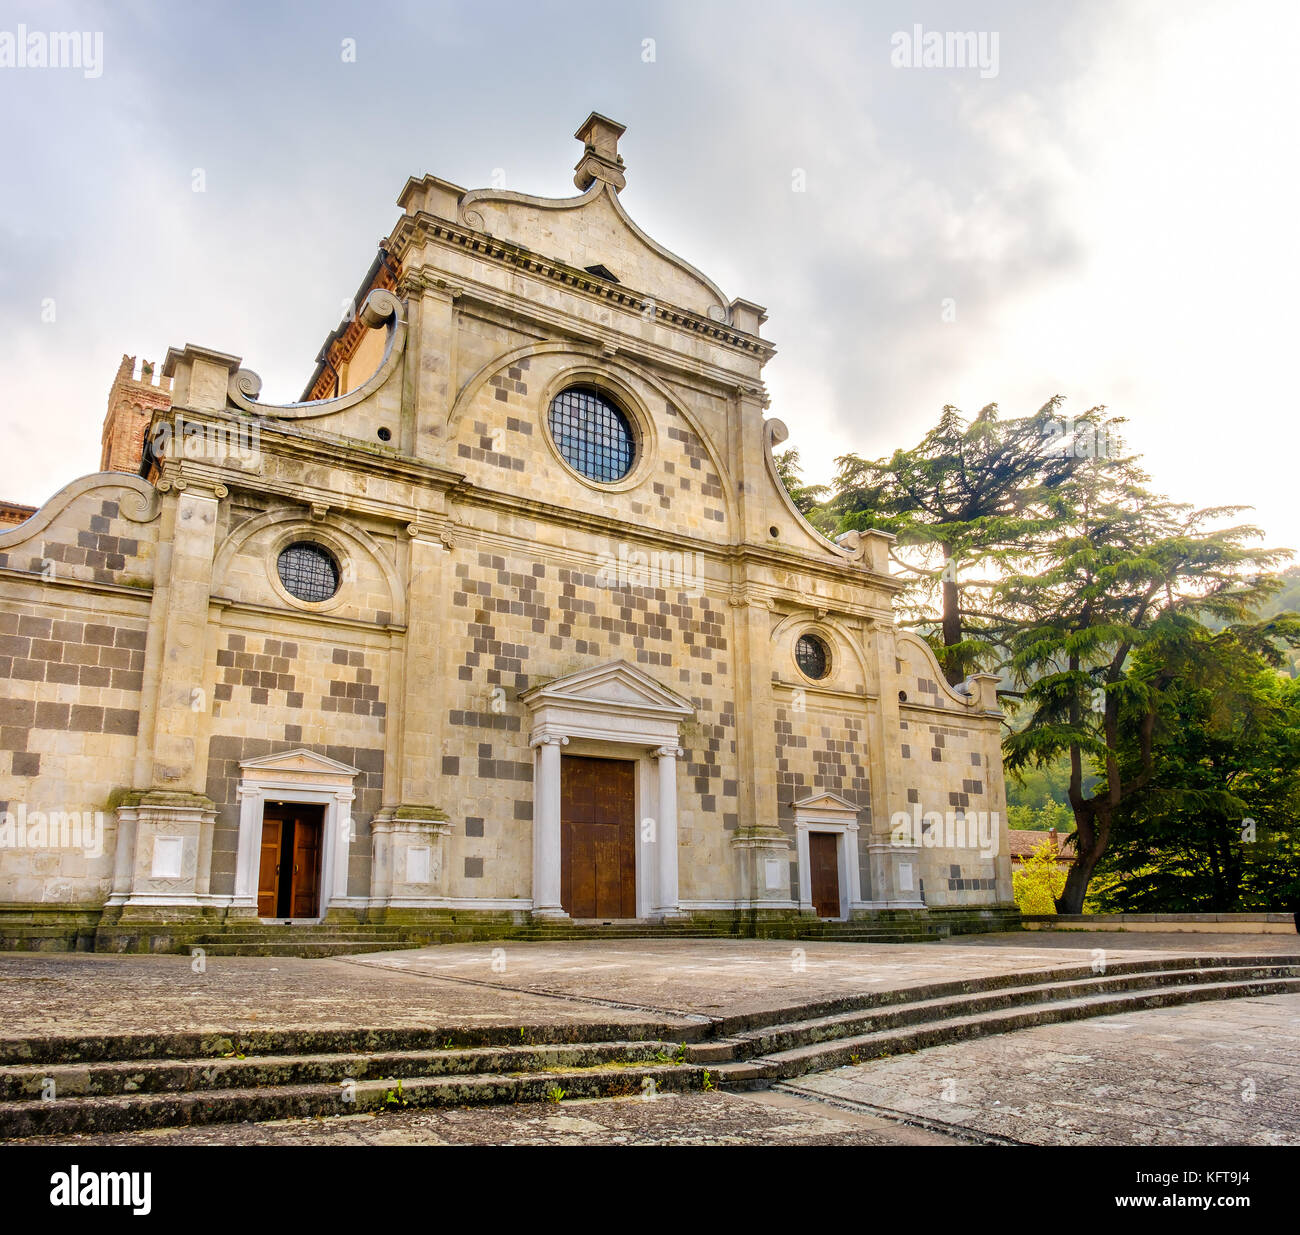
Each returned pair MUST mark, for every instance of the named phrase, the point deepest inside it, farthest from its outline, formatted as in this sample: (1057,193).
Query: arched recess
(620,364)
(140,504)
(825,626)
(380,307)
(359,542)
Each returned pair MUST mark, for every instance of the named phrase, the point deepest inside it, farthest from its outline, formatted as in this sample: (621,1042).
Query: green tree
(1127,572)
(1217,827)
(805,497)
(968,503)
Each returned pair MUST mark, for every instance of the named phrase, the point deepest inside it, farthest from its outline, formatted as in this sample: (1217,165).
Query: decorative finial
(600,158)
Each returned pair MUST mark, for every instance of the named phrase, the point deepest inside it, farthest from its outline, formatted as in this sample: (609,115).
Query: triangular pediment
(825,802)
(299,760)
(593,230)
(615,685)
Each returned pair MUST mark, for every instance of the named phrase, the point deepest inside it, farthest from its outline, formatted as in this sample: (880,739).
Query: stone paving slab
(88,993)
(1200,1074)
(569,982)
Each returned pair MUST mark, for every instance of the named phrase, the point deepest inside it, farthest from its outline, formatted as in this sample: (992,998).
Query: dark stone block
(26,764)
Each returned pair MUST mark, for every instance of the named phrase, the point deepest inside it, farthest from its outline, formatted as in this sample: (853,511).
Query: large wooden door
(824,864)
(288,884)
(598,837)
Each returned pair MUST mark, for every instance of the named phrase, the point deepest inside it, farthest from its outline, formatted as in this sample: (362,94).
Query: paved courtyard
(530,983)
(1222,1073)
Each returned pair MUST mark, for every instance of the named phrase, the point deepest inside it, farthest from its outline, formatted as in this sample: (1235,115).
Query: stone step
(810,1030)
(189,1044)
(291,937)
(119,1113)
(821,1056)
(303,949)
(230,1071)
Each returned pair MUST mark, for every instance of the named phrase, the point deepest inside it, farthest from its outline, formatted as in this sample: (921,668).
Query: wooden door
(824,864)
(268,873)
(598,837)
(304,894)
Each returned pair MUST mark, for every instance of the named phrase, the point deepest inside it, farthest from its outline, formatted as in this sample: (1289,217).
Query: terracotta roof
(1023,842)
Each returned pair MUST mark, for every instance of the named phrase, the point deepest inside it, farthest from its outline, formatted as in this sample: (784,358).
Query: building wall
(160,651)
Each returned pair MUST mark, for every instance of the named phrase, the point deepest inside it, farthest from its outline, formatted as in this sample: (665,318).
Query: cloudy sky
(1111,213)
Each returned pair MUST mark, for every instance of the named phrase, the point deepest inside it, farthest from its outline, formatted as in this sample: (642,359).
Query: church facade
(509,620)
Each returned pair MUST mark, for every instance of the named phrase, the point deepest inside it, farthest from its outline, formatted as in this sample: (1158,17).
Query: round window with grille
(592,435)
(308,571)
(812,657)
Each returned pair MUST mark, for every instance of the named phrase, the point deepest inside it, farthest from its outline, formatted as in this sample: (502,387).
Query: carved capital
(549,739)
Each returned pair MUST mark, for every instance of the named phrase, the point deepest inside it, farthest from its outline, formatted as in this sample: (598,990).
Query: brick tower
(132,400)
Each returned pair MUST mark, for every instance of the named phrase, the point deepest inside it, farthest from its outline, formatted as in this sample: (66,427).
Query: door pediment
(821,803)
(613,702)
(614,686)
(299,764)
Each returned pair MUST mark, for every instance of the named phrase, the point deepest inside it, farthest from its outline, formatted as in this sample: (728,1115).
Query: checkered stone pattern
(818,750)
(517,621)
(305,690)
(69,712)
(92,543)
(946,768)
(504,429)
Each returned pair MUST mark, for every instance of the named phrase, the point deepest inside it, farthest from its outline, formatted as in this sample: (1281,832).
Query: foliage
(1217,827)
(969,503)
(1039,881)
(805,497)
(1049,816)
(1128,573)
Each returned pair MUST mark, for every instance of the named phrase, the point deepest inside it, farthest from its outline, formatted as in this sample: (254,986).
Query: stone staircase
(113,1083)
(898,1022)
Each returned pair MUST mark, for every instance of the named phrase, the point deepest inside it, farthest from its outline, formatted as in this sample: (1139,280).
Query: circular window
(812,657)
(308,571)
(592,435)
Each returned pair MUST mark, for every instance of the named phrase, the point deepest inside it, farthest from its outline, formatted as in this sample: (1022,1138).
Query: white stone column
(339,848)
(546,827)
(249,854)
(666,834)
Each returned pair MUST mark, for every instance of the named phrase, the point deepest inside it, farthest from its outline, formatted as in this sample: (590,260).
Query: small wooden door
(305,888)
(288,884)
(268,877)
(598,837)
(824,867)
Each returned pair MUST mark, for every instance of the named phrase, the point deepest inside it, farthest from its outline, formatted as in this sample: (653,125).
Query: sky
(1104,210)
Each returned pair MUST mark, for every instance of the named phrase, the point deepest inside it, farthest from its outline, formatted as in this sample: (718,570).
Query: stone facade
(496,612)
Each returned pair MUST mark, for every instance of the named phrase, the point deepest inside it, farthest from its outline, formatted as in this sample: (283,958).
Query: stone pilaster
(546,826)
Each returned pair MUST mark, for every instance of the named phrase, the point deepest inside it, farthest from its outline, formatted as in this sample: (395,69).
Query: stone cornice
(501,309)
(422,226)
(312,619)
(832,569)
